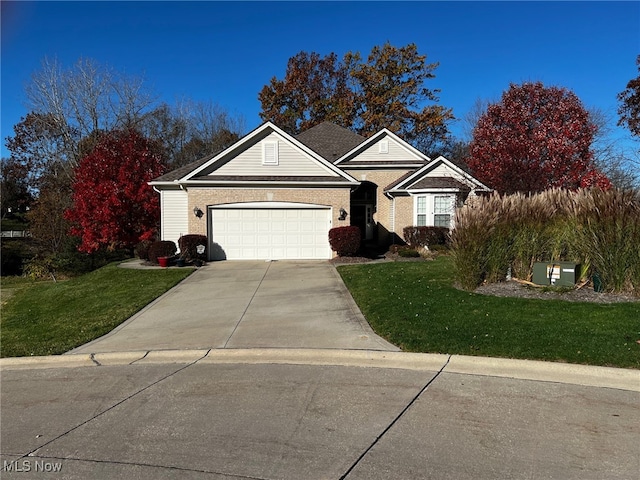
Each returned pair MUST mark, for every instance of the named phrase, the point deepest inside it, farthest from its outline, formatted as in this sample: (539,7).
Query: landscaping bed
(584,294)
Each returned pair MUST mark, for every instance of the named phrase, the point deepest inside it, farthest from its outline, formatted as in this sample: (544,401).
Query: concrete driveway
(283,304)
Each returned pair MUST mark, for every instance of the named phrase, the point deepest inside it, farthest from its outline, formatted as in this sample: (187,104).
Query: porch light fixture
(197,212)
(343,214)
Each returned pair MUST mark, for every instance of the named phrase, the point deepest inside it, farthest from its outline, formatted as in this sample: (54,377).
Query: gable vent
(270,153)
(383,146)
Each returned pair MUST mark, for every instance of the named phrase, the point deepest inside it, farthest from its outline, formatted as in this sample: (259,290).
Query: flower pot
(163,261)
(180,262)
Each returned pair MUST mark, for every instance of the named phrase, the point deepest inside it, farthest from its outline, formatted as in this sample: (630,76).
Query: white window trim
(383,146)
(430,213)
(416,213)
(275,160)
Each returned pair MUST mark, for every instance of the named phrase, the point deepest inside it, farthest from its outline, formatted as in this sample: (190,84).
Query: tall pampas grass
(598,229)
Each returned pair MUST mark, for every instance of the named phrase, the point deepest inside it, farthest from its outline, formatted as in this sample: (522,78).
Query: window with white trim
(421,211)
(434,210)
(270,153)
(442,211)
(383,146)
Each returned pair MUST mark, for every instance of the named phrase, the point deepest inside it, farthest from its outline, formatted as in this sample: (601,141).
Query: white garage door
(270,233)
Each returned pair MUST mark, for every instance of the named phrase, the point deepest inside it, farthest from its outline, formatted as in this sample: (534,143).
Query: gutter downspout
(393,215)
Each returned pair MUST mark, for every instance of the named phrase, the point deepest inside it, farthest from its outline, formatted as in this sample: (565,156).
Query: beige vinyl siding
(442,170)
(291,162)
(396,153)
(175,220)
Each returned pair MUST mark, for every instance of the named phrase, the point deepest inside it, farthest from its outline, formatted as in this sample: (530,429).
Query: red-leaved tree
(113,206)
(535,138)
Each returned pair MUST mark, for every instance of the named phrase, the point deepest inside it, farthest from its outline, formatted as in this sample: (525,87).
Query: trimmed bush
(345,241)
(425,236)
(408,253)
(142,249)
(189,247)
(162,248)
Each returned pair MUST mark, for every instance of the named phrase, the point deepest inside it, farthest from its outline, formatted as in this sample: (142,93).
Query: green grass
(416,307)
(46,318)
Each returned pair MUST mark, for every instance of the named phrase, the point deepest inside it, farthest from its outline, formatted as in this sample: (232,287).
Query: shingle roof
(400,180)
(329,140)
(439,182)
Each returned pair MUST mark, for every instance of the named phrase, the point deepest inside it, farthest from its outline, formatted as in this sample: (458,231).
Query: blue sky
(227,51)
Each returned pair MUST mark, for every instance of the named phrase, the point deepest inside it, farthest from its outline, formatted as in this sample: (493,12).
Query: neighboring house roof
(331,141)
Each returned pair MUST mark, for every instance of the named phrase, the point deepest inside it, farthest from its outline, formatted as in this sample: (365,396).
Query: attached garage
(270,231)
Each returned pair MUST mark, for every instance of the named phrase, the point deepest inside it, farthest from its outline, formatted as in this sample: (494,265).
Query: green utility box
(559,274)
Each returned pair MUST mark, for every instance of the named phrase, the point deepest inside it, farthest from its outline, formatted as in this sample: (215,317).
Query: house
(272,195)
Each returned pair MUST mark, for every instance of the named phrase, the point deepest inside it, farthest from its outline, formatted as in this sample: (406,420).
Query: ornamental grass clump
(608,237)
(596,228)
(470,241)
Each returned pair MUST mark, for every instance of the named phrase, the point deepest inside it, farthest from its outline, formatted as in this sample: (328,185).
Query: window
(442,211)
(434,210)
(421,211)
(383,146)
(270,153)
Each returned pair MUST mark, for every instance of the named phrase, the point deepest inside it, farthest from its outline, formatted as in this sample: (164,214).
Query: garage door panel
(283,233)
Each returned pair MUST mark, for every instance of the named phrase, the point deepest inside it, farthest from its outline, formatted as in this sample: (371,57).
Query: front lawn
(46,318)
(416,307)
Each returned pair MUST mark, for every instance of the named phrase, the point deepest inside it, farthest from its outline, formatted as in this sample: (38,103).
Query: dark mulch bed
(385,257)
(584,294)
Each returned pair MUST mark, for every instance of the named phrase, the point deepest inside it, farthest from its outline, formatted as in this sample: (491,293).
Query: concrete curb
(585,375)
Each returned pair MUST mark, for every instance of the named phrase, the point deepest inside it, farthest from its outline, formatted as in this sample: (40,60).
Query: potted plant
(161,252)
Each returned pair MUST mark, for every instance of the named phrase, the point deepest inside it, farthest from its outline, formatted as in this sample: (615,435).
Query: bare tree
(190,130)
(85,99)
(619,163)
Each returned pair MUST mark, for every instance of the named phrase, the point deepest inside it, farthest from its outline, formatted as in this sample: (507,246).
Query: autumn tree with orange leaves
(629,109)
(385,91)
(535,138)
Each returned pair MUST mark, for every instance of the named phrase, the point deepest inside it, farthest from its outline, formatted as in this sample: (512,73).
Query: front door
(363,207)
(368,229)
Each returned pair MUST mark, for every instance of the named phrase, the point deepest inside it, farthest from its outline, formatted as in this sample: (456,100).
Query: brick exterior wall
(204,197)
(404,214)
(383,178)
